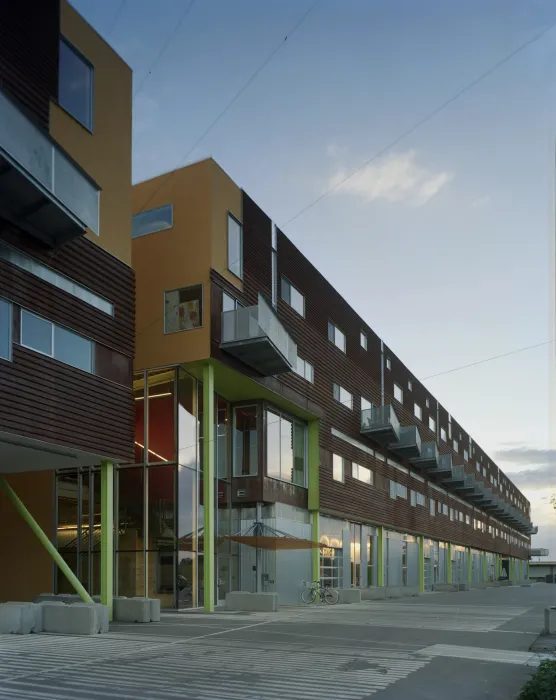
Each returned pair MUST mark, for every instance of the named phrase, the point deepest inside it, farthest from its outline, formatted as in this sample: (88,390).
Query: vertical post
(380,556)
(469,566)
(208,486)
(421,563)
(313,495)
(449,563)
(485,568)
(107,535)
(315,553)
(258,552)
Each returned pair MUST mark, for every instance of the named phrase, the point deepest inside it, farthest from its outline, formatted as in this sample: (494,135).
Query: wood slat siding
(358,371)
(29,36)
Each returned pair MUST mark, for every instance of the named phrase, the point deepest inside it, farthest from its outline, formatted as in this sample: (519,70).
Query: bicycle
(325,593)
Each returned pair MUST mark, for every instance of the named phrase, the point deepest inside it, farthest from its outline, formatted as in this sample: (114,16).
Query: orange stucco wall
(104,154)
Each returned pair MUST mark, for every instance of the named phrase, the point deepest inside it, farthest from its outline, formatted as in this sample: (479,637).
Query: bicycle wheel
(331,596)
(309,595)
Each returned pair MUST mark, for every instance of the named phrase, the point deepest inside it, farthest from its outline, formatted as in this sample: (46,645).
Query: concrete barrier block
(505,582)
(132,609)
(103,619)
(410,591)
(253,602)
(81,618)
(19,618)
(155,610)
(445,587)
(549,621)
(393,592)
(373,593)
(349,595)
(53,616)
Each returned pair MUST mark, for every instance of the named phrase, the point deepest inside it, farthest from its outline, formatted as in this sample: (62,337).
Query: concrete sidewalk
(457,645)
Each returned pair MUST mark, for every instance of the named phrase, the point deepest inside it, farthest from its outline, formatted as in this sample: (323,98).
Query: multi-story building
(67,293)
(317,430)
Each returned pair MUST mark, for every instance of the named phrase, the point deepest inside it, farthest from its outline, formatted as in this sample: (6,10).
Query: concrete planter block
(549,621)
(155,610)
(82,618)
(17,618)
(445,587)
(132,609)
(103,620)
(252,602)
(37,612)
(410,591)
(393,592)
(373,593)
(505,582)
(349,595)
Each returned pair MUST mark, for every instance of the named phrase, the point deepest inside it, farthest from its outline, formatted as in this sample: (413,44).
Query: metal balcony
(460,481)
(381,423)
(443,469)
(534,530)
(41,190)
(409,444)
(255,336)
(429,456)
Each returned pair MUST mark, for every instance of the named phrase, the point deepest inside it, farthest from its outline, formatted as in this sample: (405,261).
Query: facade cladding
(321,433)
(67,289)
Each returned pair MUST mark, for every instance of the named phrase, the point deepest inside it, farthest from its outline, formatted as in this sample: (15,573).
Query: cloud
(395,178)
(333,150)
(480,202)
(530,467)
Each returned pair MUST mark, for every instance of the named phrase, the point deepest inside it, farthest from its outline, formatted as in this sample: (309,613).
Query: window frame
(306,364)
(443,436)
(357,477)
(285,281)
(231,216)
(339,397)
(73,48)
(417,411)
(202,312)
(294,421)
(332,325)
(10,329)
(432,424)
(397,386)
(363,340)
(388,363)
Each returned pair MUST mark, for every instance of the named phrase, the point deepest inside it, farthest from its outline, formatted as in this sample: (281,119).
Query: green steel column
(208,486)
(43,539)
(107,535)
(421,563)
(315,535)
(380,557)
(313,495)
(469,567)
(449,564)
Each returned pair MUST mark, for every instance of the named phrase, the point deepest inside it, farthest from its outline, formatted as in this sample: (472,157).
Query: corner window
(75,84)
(432,424)
(363,340)
(336,336)
(362,474)
(183,309)
(305,369)
(246,441)
(293,297)
(343,396)
(151,221)
(443,436)
(388,363)
(338,468)
(235,247)
(285,448)
(398,393)
(418,412)
(5,330)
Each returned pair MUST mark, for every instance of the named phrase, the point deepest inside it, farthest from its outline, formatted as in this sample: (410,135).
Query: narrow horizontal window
(152,221)
(5,330)
(183,309)
(343,396)
(336,336)
(305,369)
(293,297)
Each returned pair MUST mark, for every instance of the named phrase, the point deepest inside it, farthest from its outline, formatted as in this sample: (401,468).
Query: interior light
(153,396)
(151,451)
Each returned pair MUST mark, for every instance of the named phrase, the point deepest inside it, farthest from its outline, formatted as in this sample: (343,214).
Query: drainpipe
(381,373)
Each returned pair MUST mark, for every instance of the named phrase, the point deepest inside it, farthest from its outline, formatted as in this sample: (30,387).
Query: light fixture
(151,451)
(153,396)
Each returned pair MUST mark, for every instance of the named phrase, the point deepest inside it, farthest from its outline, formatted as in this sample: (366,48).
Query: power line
(116,18)
(422,121)
(230,103)
(488,359)
(164,47)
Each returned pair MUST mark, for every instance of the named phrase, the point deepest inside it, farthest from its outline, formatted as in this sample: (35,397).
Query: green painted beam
(449,563)
(208,486)
(43,539)
(107,535)
(315,553)
(421,563)
(313,457)
(380,556)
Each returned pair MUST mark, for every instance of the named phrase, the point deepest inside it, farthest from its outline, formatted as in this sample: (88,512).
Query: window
(361,473)
(432,424)
(443,435)
(293,297)
(410,385)
(388,363)
(235,247)
(229,303)
(305,369)
(455,445)
(55,341)
(466,455)
(393,489)
(444,509)
(427,403)
(467,520)
(478,467)
(432,506)
(401,491)
(484,472)
(5,330)
(246,441)
(450,428)
(461,517)
(398,393)
(343,396)
(336,336)
(34,267)
(151,221)
(338,468)
(421,499)
(183,309)
(363,340)
(75,84)
(417,411)
(439,507)
(285,448)
(412,498)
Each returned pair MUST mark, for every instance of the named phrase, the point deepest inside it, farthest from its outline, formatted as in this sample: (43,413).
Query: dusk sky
(443,244)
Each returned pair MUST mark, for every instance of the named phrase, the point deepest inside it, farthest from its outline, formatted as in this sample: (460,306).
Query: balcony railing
(41,189)
(381,423)
(255,336)
(429,456)
(409,443)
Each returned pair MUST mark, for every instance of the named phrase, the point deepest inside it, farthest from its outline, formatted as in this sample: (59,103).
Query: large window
(336,336)
(246,441)
(183,309)
(5,330)
(151,221)
(75,84)
(285,448)
(293,297)
(55,341)
(235,247)
(343,396)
